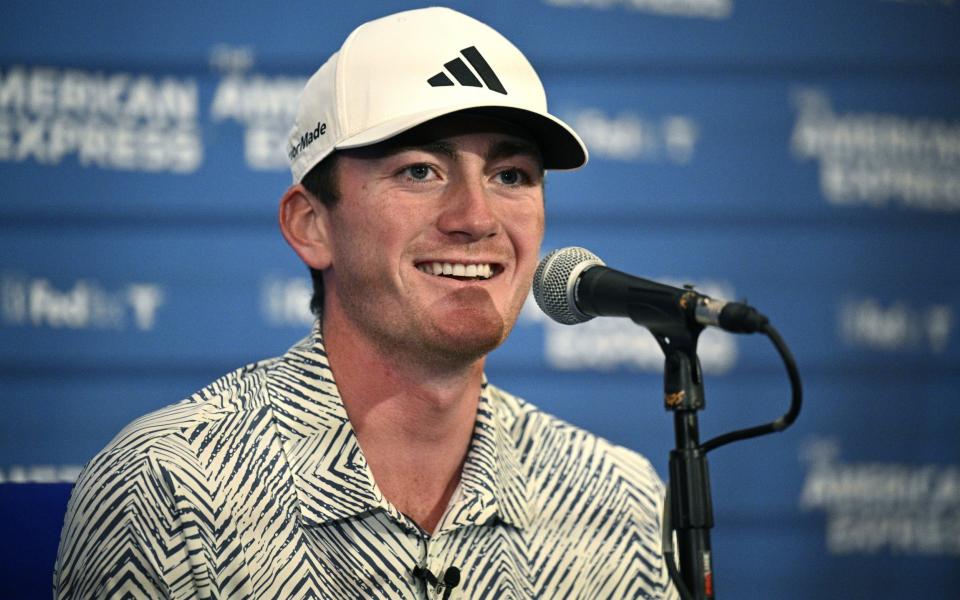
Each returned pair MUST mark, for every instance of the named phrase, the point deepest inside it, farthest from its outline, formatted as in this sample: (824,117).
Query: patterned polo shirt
(256,487)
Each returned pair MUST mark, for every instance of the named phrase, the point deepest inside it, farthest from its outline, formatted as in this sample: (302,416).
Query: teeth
(482,271)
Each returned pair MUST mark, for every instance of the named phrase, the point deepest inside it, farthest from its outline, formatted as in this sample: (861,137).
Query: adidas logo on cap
(465,76)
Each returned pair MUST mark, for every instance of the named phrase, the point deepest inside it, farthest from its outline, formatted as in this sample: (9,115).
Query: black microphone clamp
(451,579)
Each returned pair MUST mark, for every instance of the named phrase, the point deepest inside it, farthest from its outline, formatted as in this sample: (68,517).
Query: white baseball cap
(403,70)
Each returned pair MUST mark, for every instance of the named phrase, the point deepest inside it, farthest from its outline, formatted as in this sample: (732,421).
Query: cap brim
(560,146)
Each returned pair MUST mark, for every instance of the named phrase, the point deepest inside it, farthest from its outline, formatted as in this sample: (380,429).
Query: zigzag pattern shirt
(256,487)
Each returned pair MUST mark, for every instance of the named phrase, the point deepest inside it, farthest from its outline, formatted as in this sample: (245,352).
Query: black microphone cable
(666,548)
(796,399)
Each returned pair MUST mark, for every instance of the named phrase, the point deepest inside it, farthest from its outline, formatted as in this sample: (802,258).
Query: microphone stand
(571,287)
(690,505)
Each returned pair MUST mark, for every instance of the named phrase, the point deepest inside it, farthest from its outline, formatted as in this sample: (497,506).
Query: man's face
(435,238)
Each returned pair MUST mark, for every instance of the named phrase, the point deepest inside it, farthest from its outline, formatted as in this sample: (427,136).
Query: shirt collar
(492,481)
(331,475)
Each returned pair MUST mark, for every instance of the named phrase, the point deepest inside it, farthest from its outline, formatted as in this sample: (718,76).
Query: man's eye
(510,176)
(419,172)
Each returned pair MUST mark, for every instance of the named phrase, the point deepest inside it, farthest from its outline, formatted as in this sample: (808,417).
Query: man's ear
(304,223)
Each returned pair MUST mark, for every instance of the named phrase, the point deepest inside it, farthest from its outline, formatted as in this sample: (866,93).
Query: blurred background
(804,155)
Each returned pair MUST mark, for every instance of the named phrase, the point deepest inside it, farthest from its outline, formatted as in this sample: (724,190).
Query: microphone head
(555,283)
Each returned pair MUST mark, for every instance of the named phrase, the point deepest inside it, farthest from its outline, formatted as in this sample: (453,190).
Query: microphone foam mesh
(555,280)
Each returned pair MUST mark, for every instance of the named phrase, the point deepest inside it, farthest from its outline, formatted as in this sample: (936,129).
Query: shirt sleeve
(122,535)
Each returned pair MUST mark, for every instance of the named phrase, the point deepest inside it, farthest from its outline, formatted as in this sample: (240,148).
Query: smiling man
(374,460)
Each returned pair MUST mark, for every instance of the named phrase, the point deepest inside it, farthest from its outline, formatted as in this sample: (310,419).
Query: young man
(373,460)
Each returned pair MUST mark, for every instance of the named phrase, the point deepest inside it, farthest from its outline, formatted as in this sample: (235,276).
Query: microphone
(451,579)
(572,285)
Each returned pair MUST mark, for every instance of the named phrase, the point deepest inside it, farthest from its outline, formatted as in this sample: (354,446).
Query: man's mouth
(476,271)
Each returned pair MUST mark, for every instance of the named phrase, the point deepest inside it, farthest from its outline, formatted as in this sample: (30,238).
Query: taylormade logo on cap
(403,70)
(306,139)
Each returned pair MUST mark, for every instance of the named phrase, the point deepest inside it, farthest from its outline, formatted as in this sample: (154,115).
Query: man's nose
(468,212)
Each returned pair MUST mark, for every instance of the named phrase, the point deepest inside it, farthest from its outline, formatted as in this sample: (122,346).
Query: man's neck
(414,422)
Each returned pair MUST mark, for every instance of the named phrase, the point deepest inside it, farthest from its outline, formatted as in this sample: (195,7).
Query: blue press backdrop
(802,154)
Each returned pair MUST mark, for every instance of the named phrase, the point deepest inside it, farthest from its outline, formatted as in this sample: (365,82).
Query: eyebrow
(437,147)
(515,147)
(500,149)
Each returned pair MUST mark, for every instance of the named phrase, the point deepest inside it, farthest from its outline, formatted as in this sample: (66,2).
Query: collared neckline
(330,473)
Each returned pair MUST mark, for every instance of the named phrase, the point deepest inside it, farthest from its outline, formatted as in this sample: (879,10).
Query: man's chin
(468,325)
(469,338)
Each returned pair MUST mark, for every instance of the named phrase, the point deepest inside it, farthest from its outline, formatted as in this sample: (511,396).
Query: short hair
(322,182)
